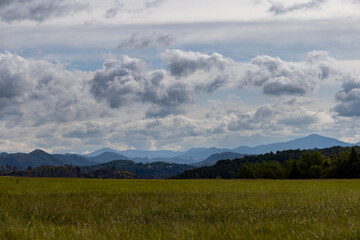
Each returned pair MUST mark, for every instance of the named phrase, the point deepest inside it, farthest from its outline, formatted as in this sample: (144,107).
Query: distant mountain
(216,157)
(199,154)
(73,159)
(39,158)
(196,155)
(148,170)
(191,156)
(101,151)
(107,157)
(150,154)
(136,153)
(310,142)
(34,159)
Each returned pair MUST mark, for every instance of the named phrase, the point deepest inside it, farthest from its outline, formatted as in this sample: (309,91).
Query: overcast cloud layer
(79,75)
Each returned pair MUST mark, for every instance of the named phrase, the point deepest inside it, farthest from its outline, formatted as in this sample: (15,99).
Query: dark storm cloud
(149,41)
(349,99)
(37,10)
(279,8)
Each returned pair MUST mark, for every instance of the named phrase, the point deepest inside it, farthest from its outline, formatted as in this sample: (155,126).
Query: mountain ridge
(195,155)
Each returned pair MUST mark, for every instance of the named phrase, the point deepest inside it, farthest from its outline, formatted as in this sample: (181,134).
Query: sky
(76,76)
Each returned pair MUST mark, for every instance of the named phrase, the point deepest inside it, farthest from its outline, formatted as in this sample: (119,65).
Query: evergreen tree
(294,172)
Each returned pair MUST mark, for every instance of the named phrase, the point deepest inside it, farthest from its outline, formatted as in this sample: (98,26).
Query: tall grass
(178,209)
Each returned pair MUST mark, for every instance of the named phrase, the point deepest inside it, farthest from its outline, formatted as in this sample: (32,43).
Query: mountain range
(38,158)
(196,156)
(206,156)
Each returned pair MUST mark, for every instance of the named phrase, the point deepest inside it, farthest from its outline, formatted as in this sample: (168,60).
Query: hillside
(229,168)
(107,157)
(33,159)
(200,154)
(68,171)
(73,159)
(218,156)
(148,170)
(39,158)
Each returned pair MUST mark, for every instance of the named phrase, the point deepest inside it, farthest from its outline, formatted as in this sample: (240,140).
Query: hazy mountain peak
(107,157)
(39,152)
(309,142)
(101,151)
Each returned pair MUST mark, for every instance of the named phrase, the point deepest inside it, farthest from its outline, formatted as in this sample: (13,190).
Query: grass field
(178,209)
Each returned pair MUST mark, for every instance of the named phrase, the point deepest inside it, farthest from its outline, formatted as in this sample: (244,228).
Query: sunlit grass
(33,208)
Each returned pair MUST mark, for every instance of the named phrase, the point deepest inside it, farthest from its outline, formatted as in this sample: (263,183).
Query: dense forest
(68,171)
(143,170)
(118,169)
(335,162)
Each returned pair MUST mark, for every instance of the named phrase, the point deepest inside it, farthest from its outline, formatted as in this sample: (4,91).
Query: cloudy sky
(76,76)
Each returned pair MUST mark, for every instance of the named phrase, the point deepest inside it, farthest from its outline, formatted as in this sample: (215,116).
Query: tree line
(308,166)
(67,171)
(336,162)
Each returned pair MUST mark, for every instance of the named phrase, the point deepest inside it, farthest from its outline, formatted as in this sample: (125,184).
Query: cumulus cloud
(287,115)
(275,76)
(278,77)
(182,64)
(279,8)
(290,116)
(147,41)
(37,10)
(43,92)
(124,81)
(127,80)
(74,106)
(349,98)
(37,92)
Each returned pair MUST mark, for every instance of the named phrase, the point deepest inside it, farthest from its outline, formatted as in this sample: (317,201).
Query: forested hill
(325,159)
(39,158)
(147,170)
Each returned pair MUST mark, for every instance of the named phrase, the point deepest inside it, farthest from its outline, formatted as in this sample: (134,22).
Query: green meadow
(42,208)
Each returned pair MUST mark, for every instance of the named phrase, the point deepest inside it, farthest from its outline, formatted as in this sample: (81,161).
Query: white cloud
(72,109)
(349,98)
(280,8)
(147,41)
(37,92)
(37,10)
